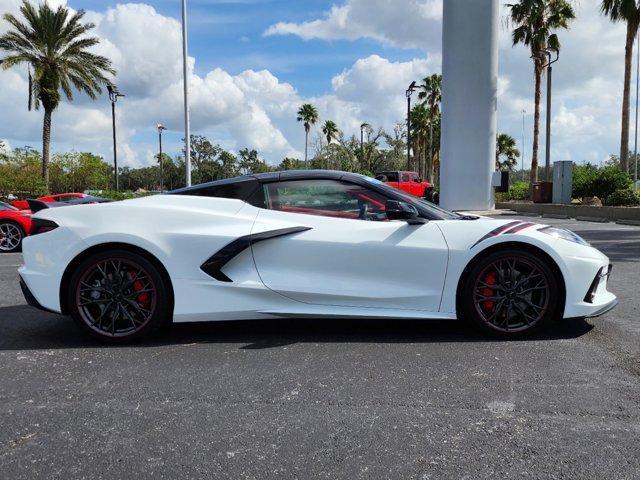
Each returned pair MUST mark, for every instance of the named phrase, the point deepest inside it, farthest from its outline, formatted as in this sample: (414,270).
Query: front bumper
(587,294)
(608,307)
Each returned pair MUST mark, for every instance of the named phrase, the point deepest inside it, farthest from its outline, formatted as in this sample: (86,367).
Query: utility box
(500,181)
(562,181)
(541,192)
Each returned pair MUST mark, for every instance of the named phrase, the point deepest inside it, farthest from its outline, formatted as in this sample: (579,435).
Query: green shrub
(625,197)
(519,191)
(502,196)
(591,181)
(122,195)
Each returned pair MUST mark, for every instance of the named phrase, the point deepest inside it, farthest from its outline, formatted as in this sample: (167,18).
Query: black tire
(14,242)
(118,297)
(510,294)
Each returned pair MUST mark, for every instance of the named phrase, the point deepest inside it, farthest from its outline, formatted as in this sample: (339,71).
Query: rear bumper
(31,300)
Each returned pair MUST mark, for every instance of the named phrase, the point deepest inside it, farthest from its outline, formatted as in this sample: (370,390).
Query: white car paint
(338,268)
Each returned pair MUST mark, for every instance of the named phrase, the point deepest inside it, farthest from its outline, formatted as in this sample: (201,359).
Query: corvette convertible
(298,244)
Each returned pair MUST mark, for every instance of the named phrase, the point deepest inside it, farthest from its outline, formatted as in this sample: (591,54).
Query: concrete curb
(581,212)
(592,219)
(629,222)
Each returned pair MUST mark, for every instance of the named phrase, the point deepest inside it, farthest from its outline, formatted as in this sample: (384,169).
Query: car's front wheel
(11,236)
(118,296)
(510,293)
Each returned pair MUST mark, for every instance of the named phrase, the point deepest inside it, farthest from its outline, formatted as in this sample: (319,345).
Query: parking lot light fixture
(549,67)
(635,148)
(409,92)
(524,112)
(161,128)
(114,94)
(185,74)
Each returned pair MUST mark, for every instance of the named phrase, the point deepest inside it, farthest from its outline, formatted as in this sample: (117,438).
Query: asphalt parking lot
(326,399)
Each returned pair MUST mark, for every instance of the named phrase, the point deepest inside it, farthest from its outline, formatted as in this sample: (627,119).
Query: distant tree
(77,172)
(228,165)
(55,46)
(627,11)
(308,115)
(535,22)
(250,162)
(431,94)
(330,130)
(291,164)
(506,152)
(203,157)
(420,124)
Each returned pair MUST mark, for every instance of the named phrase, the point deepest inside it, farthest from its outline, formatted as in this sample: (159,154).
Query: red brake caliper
(489,279)
(143,298)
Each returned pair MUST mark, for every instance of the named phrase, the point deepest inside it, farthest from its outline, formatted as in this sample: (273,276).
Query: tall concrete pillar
(469,101)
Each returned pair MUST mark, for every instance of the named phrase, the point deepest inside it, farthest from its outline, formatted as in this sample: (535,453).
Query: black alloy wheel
(510,293)
(118,296)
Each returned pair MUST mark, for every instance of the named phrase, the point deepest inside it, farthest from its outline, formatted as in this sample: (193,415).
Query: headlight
(564,234)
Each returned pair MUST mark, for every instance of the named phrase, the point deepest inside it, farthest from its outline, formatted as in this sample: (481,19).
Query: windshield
(420,203)
(6,206)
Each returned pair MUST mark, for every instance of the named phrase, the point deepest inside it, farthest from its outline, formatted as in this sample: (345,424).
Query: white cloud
(410,23)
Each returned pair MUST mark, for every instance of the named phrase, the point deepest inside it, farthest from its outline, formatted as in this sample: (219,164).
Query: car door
(350,255)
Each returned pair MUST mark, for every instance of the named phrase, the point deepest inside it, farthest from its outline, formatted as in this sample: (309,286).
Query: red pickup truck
(409,182)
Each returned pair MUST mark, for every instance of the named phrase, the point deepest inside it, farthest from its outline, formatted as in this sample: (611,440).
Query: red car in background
(59,197)
(409,182)
(15,224)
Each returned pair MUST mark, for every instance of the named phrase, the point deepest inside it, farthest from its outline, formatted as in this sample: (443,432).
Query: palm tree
(431,94)
(627,11)
(420,122)
(535,22)
(308,114)
(330,130)
(54,45)
(506,148)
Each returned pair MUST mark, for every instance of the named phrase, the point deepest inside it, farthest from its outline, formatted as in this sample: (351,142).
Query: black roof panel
(271,177)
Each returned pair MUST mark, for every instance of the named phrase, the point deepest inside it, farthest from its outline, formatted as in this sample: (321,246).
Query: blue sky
(256,61)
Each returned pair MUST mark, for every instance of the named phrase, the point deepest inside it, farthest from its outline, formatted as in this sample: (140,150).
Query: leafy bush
(519,191)
(122,195)
(591,181)
(626,197)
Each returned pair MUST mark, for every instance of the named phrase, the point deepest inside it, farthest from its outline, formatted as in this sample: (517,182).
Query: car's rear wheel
(118,296)
(11,236)
(510,293)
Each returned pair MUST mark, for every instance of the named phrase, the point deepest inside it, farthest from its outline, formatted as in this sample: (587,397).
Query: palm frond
(55,44)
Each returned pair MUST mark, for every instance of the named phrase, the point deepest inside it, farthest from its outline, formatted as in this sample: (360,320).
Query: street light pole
(114,94)
(160,129)
(635,149)
(187,126)
(523,145)
(547,160)
(408,93)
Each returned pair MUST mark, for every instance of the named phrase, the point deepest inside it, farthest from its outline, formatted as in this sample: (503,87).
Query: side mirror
(418,180)
(397,210)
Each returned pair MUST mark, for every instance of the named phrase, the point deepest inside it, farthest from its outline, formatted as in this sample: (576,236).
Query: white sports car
(303,244)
